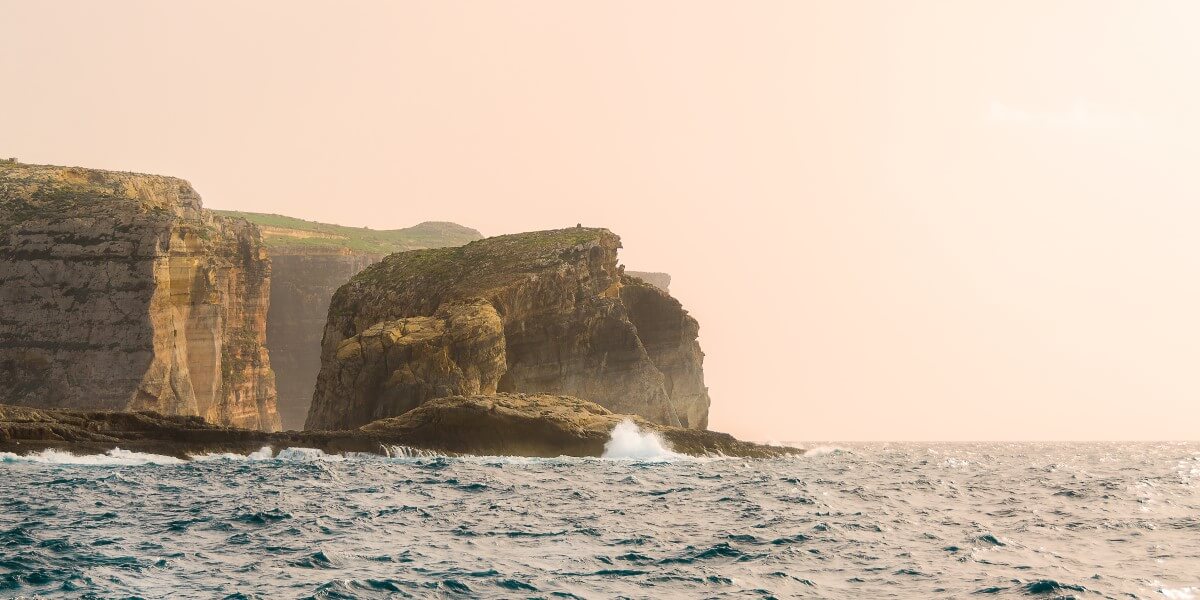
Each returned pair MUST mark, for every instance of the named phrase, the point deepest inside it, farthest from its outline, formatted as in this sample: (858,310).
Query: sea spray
(264,453)
(114,457)
(627,440)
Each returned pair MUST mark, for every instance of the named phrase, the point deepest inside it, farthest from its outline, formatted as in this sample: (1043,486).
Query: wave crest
(628,441)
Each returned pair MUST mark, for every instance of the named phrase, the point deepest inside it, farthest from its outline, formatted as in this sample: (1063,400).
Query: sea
(885,520)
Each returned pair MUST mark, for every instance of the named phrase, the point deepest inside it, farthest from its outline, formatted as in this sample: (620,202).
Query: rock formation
(309,262)
(119,291)
(570,326)
(500,424)
(395,366)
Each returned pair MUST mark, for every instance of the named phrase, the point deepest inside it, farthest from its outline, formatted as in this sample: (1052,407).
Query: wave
(114,457)
(264,453)
(1185,593)
(628,441)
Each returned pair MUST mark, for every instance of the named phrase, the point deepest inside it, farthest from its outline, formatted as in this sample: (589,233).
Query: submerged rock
(118,291)
(497,424)
(572,324)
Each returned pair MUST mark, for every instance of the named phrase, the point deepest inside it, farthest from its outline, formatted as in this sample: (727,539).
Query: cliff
(661,281)
(568,320)
(501,424)
(119,291)
(310,261)
(301,285)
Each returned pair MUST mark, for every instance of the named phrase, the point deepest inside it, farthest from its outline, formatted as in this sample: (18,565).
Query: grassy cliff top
(284,235)
(41,191)
(416,282)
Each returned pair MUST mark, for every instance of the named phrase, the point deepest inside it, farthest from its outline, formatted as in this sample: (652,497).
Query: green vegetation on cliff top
(467,270)
(280,232)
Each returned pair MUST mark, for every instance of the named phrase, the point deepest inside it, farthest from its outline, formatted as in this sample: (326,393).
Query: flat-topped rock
(572,324)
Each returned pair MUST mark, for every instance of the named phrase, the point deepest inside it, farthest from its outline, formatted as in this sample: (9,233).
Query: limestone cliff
(302,282)
(310,261)
(566,329)
(119,291)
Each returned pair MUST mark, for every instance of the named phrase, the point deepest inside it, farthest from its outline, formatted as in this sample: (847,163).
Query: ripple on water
(907,521)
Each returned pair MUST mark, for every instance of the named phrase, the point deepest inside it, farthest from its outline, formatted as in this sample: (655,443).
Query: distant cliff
(310,261)
(119,291)
(542,312)
(661,281)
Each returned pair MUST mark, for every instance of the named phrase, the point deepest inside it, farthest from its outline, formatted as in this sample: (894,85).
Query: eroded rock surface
(118,291)
(567,328)
(395,366)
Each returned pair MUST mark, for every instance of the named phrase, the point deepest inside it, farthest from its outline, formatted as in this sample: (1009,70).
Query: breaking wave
(116,457)
(628,441)
(861,521)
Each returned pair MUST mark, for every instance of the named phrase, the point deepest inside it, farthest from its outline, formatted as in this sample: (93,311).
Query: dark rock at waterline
(500,424)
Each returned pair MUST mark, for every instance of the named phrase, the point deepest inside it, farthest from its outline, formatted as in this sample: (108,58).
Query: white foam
(264,453)
(114,457)
(823,450)
(307,455)
(408,452)
(1185,593)
(628,441)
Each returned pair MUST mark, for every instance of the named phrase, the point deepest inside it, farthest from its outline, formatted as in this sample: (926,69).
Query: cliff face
(302,282)
(395,366)
(566,329)
(119,291)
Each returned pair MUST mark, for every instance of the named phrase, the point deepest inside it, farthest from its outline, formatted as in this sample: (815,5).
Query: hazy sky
(894,220)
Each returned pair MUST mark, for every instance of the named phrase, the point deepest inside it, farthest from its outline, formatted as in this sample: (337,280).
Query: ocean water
(856,521)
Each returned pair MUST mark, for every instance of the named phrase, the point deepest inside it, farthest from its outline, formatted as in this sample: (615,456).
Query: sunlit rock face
(566,327)
(119,291)
(397,365)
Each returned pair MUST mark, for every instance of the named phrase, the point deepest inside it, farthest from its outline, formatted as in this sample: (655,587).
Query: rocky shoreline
(501,424)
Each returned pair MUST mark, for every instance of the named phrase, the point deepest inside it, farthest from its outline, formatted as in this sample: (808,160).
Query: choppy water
(867,521)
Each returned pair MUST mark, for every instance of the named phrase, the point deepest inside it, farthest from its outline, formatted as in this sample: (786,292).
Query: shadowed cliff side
(119,291)
(566,330)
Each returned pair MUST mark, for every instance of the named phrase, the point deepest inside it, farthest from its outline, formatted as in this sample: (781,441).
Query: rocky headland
(499,424)
(309,262)
(119,291)
(548,312)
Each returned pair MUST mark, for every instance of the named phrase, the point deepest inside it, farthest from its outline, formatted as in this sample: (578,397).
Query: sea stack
(119,291)
(548,312)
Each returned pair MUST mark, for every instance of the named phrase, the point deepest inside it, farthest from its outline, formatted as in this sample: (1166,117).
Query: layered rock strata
(569,320)
(118,291)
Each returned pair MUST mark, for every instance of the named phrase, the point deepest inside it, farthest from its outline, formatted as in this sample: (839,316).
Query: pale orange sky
(894,220)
